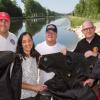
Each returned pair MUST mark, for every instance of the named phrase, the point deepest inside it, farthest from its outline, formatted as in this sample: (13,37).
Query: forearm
(35,87)
(27,86)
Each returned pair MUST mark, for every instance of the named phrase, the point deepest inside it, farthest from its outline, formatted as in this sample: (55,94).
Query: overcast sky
(60,6)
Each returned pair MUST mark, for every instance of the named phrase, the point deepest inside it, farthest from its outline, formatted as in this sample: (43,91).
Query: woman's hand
(39,88)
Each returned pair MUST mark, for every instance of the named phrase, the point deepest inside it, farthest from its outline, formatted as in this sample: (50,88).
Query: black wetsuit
(69,71)
(9,84)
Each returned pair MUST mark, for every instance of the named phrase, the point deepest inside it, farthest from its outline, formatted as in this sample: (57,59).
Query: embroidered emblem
(12,41)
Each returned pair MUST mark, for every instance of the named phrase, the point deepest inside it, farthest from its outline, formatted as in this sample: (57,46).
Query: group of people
(33,78)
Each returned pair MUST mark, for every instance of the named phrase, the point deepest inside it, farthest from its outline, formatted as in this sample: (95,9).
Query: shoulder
(97,36)
(37,55)
(82,41)
(11,35)
(60,45)
(40,45)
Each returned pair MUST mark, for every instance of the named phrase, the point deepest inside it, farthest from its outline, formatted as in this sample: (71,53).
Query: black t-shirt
(84,45)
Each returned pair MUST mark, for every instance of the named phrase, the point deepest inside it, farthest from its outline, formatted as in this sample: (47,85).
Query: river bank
(76,23)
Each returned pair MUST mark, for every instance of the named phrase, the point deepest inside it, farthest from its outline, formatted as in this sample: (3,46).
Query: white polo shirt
(9,43)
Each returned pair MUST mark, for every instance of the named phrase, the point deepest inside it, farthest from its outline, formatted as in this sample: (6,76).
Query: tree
(8,6)
(88,8)
(34,9)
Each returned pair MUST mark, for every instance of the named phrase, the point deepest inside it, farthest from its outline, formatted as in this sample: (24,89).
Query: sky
(60,6)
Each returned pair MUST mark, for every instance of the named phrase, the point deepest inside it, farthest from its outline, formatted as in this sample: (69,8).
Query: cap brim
(51,30)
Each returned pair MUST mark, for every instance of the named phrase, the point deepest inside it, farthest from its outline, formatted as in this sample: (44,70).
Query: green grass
(77,21)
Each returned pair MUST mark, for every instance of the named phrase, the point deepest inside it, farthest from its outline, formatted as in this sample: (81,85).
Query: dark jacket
(95,74)
(7,87)
(16,77)
(84,46)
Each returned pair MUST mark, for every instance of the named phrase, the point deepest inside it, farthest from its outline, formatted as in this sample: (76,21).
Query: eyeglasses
(89,28)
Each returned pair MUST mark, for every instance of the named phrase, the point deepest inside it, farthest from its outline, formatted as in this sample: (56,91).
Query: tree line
(31,7)
(11,8)
(34,9)
(88,8)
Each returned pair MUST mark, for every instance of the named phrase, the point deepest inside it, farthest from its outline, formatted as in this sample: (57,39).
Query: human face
(51,37)
(88,29)
(4,26)
(27,44)
(89,32)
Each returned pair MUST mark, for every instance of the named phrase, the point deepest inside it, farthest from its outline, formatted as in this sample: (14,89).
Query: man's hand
(64,51)
(89,82)
(90,53)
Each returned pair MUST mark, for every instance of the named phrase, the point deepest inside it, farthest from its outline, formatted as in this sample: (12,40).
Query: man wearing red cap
(7,39)
(7,44)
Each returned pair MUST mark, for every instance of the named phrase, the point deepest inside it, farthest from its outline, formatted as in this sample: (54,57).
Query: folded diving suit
(9,84)
(69,71)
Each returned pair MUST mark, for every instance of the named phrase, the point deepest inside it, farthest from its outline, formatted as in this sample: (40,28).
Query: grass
(77,21)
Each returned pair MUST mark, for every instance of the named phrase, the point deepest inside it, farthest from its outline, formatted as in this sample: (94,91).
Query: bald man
(89,46)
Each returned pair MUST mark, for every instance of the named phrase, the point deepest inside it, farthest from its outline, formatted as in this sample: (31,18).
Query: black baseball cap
(51,27)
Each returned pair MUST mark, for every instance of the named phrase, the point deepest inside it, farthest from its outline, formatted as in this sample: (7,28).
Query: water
(37,28)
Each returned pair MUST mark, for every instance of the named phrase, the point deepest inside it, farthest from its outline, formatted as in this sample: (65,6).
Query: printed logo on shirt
(12,41)
(95,49)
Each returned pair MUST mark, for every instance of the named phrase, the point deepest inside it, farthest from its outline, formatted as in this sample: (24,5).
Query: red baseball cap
(4,15)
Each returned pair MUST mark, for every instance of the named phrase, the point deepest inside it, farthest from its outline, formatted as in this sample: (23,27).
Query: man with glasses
(89,46)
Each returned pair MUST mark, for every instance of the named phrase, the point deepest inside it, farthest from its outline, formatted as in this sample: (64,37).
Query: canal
(37,28)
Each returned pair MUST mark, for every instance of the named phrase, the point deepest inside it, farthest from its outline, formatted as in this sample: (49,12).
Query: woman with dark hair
(25,47)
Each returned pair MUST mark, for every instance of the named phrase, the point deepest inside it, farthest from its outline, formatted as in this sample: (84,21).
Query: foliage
(11,8)
(88,8)
(77,21)
(34,9)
